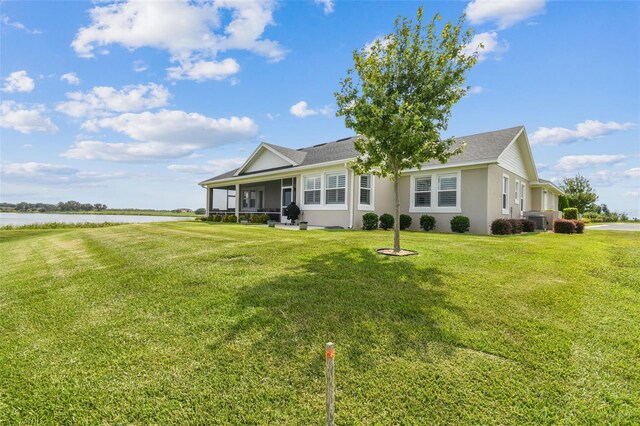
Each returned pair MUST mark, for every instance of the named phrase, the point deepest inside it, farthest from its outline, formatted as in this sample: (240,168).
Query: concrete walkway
(615,227)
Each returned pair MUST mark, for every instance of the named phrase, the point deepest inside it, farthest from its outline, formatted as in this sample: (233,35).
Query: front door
(287,197)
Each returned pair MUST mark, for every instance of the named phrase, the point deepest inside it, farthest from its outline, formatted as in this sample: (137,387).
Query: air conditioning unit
(538,218)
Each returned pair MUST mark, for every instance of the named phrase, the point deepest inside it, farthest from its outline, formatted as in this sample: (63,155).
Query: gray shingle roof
(480,147)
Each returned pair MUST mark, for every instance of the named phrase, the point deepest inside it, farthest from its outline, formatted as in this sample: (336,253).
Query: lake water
(18,219)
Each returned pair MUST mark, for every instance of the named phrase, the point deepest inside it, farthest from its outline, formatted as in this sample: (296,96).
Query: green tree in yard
(579,192)
(399,96)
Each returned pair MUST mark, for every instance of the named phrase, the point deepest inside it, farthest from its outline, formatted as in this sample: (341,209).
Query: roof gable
(518,159)
(269,157)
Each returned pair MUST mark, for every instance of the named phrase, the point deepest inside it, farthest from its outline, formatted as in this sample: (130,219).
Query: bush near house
(579,226)
(369,221)
(501,227)
(259,218)
(230,218)
(564,226)
(427,222)
(460,224)
(386,221)
(528,225)
(570,213)
(216,218)
(405,221)
(516,226)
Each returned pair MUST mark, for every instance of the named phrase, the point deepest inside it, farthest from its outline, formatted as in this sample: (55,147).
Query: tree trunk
(396,215)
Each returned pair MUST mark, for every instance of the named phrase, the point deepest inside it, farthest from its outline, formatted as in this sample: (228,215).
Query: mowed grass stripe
(200,323)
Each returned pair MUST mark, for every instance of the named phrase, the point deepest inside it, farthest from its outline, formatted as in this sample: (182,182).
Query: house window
(365,190)
(312,189)
(423,192)
(505,194)
(447,190)
(522,188)
(516,198)
(252,198)
(335,188)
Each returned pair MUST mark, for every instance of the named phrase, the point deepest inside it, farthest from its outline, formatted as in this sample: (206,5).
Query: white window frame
(523,198)
(435,188)
(504,203)
(305,190)
(323,179)
(337,188)
(516,193)
(371,189)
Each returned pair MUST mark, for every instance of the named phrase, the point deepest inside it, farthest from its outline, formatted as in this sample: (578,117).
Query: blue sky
(132,103)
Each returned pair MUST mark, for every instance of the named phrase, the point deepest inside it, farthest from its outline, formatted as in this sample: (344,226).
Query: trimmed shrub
(528,225)
(259,218)
(564,226)
(516,226)
(217,218)
(563,202)
(579,226)
(501,227)
(427,222)
(230,218)
(571,213)
(405,221)
(386,221)
(460,224)
(369,221)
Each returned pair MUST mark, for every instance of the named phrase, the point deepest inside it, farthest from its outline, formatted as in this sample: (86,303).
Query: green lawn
(192,322)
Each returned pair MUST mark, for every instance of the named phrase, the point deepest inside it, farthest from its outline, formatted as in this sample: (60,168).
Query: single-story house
(494,177)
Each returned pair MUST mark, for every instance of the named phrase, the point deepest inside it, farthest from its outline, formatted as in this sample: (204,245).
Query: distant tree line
(63,206)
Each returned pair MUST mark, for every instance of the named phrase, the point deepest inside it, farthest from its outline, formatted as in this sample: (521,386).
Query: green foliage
(570,213)
(563,202)
(386,221)
(564,226)
(399,97)
(405,221)
(259,218)
(427,222)
(200,211)
(60,225)
(230,218)
(460,224)
(501,227)
(579,192)
(217,218)
(516,226)
(528,225)
(369,221)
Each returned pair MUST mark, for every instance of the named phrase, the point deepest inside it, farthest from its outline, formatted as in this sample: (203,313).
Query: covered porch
(268,197)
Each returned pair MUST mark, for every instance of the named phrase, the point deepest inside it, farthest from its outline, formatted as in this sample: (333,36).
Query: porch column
(238,196)
(208,209)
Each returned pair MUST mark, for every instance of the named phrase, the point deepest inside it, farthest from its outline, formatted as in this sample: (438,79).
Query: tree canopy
(399,96)
(579,192)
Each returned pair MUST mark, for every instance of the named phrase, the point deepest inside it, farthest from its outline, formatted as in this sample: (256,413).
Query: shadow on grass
(368,304)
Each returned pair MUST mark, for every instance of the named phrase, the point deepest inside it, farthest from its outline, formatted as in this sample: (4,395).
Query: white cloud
(25,119)
(103,100)
(475,90)
(204,70)
(212,167)
(327,5)
(633,194)
(18,81)
(139,66)
(161,135)
(198,33)
(302,110)
(573,162)
(505,13)
(70,78)
(633,172)
(18,25)
(55,174)
(486,44)
(587,130)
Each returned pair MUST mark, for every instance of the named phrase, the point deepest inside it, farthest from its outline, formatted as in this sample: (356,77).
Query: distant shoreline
(112,212)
